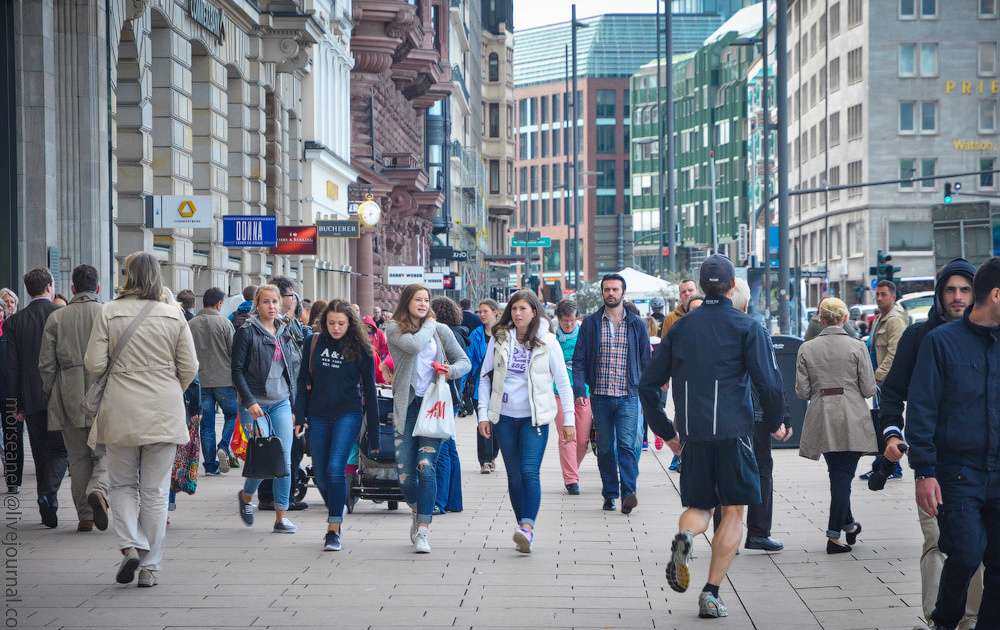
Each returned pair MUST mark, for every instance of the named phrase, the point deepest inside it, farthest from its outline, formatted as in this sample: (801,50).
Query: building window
(917,168)
(854,66)
(917,9)
(545,178)
(907,121)
(551,257)
(545,212)
(911,236)
(605,205)
(834,19)
(918,60)
(834,74)
(834,127)
(534,180)
(918,117)
(928,168)
(534,212)
(907,171)
(545,143)
(605,139)
(854,178)
(987,116)
(987,59)
(605,103)
(855,239)
(510,178)
(556,135)
(556,111)
(928,117)
(494,177)
(606,174)
(555,208)
(494,64)
(855,123)
(833,180)
(544,109)
(987,9)
(987,178)
(524,181)
(855,12)
(494,121)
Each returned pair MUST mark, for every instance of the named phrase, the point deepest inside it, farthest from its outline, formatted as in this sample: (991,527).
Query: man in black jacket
(952,295)
(713,355)
(24,329)
(953,427)
(612,349)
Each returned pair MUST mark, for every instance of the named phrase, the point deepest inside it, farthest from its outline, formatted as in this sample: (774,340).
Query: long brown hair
(315,311)
(402,313)
(354,344)
(507,323)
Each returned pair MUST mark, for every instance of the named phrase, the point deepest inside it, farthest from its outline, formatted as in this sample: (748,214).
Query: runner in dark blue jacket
(713,354)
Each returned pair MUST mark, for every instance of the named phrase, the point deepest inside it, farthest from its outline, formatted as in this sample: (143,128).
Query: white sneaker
(285,526)
(523,540)
(223,457)
(413,529)
(420,543)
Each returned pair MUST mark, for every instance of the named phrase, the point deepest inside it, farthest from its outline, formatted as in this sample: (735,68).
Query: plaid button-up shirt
(612,363)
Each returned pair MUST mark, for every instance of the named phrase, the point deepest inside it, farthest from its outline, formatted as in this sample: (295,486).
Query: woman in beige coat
(834,373)
(142,417)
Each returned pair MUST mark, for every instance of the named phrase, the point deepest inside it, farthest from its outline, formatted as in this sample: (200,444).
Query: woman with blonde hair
(262,376)
(142,418)
(421,349)
(834,373)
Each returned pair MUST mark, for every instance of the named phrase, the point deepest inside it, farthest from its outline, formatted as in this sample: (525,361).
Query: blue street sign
(249,231)
(874,283)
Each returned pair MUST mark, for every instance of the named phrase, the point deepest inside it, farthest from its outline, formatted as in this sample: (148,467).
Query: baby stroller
(376,479)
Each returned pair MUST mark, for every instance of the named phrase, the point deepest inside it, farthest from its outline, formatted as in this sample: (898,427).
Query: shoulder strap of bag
(312,349)
(129,332)
(441,351)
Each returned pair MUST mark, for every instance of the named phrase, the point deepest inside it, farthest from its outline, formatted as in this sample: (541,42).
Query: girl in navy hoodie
(336,383)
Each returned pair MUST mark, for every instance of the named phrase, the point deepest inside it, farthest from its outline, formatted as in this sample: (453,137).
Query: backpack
(240,318)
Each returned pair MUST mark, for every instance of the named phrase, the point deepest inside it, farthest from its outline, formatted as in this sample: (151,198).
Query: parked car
(917,305)
(861,315)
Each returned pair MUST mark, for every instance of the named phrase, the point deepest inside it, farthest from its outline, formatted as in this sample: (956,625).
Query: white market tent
(641,285)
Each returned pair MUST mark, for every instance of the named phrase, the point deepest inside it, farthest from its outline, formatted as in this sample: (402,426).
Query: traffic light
(947,192)
(884,270)
(534,282)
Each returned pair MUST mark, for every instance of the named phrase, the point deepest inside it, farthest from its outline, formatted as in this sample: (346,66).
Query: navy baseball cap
(717,268)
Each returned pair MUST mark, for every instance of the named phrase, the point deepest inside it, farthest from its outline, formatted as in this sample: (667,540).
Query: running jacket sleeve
(926,387)
(654,377)
(758,354)
(896,385)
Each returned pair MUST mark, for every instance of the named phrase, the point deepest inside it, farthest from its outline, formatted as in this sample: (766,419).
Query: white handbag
(436,418)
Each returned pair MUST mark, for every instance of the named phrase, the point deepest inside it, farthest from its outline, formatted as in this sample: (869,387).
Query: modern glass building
(710,114)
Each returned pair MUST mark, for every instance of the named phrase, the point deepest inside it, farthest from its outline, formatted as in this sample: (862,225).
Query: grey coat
(404,349)
(213,340)
(65,380)
(837,422)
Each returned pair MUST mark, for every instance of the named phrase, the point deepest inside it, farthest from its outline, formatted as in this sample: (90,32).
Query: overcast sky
(531,13)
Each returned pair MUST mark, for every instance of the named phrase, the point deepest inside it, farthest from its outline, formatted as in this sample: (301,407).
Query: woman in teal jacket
(571,453)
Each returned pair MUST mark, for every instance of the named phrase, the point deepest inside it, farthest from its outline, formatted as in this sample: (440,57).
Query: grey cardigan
(404,349)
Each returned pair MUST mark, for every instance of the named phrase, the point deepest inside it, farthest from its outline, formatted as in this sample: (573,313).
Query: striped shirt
(612,362)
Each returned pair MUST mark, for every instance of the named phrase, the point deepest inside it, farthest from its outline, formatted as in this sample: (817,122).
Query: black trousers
(13,445)
(49,452)
(486,448)
(841,466)
(759,516)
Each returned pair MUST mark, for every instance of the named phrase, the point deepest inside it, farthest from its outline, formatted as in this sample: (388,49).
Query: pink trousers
(571,453)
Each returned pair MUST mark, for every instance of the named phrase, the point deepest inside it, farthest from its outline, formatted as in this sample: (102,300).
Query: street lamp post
(576,159)
(661,199)
(781,50)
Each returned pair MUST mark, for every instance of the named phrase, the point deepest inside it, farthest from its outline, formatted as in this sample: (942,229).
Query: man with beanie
(715,420)
(952,296)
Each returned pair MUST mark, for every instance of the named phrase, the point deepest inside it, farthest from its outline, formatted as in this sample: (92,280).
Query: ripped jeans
(415,463)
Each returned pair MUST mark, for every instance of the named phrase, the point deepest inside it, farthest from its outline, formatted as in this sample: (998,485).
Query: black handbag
(265,455)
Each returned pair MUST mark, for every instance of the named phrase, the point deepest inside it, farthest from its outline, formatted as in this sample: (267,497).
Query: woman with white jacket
(517,402)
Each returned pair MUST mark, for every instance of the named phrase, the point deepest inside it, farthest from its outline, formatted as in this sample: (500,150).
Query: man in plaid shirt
(611,351)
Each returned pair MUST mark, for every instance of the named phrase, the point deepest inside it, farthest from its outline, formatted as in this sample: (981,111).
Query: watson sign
(249,231)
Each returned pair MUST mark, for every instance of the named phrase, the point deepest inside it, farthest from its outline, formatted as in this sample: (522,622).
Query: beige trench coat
(144,400)
(60,361)
(838,422)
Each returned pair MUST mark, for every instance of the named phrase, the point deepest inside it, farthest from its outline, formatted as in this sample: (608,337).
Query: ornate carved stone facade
(400,69)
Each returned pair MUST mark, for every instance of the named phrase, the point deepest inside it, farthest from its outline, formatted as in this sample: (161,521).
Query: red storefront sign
(296,240)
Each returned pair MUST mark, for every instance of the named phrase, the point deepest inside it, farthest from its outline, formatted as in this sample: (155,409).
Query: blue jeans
(969,521)
(416,458)
(617,422)
(449,478)
(522,447)
(331,441)
(226,399)
(281,418)
(841,466)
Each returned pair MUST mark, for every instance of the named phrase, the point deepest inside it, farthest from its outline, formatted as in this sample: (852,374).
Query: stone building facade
(400,70)
(118,101)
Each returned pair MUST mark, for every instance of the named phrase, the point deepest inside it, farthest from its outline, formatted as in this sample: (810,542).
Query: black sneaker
(332,541)
(573,488)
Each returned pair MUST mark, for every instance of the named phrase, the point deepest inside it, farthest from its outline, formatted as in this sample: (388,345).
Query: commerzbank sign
(208,15)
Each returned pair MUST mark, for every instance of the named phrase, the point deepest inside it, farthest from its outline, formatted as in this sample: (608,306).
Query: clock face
(370,213)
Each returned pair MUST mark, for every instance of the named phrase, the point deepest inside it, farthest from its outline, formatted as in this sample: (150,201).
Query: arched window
(494,67)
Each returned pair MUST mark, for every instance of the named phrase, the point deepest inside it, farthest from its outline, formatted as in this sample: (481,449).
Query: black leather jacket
(253,353)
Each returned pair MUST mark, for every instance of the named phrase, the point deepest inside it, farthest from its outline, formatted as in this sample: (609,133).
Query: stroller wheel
(393,505)
(300,485)
(351,499)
